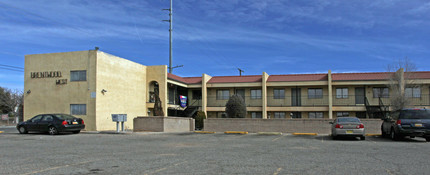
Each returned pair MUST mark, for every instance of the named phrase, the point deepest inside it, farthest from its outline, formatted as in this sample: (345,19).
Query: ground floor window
(78,109)
(342,114)
(316,115)
(221,115)
(256,115)
(360,114)
(279,114)
(296,115)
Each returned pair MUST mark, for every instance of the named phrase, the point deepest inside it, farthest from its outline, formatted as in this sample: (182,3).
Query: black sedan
(52,123)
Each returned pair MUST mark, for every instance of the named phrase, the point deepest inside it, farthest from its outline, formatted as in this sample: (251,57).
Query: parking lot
(191,153)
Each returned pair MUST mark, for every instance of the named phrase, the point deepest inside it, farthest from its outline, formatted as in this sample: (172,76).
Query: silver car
(348,127)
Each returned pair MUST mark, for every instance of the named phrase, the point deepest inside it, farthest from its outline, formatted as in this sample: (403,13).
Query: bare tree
(401,78)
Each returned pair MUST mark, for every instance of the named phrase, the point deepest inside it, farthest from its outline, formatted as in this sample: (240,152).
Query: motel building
(93,85)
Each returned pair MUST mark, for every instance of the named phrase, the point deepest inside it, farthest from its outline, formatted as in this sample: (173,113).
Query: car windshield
(64,116)
(415,114)
(348,119)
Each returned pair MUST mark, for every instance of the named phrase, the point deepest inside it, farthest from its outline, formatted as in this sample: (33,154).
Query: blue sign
(183,100)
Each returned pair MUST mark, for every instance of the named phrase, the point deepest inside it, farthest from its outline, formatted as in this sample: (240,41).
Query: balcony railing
(214,101)
(276,101)
(289,101)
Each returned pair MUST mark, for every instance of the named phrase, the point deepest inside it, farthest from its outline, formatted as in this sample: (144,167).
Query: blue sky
(218,36)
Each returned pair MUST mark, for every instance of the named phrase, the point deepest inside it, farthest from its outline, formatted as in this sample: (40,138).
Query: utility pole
(170,34)
(240,71)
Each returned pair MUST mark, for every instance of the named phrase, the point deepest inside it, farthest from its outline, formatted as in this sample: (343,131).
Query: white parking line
(57,167)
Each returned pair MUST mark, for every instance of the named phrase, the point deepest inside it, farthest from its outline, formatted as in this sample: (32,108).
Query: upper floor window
(380,92)
(315,93)
(255,93)
(79,75)
(341,92)
(222,94)
(197,94)
(278,93)
(414,92)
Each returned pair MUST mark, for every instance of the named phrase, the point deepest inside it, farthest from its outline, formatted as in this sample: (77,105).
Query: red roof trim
(186,80)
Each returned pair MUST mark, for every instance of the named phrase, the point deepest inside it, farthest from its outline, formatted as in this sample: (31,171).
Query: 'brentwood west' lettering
(51,74)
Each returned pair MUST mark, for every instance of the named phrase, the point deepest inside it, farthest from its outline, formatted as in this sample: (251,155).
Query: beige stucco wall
(158,74)
(125,83)
(48,97)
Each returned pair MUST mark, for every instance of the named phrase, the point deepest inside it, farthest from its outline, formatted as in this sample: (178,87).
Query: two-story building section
(93,85)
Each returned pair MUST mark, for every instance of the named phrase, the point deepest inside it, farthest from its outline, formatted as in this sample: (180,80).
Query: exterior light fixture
(29,91)
(103,91)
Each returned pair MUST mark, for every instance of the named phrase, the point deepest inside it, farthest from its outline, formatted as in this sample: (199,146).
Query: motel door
(296,97)
(359,95)
(241,92)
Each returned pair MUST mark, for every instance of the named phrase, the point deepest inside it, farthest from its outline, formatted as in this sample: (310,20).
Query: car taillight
(398,122)
(360,126)
(64,122)
(83,122)
(339,126)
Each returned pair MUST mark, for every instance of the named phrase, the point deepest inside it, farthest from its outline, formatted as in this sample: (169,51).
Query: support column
(330,96)
(205,79)
(264,78)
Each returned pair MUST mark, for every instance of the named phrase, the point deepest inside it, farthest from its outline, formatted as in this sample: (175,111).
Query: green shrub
(199,120)
(235,107)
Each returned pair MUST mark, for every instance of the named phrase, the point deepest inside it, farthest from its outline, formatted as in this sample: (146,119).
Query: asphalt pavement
(191,153)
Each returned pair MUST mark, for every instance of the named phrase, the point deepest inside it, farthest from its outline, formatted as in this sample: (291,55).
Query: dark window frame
(258,95)
(81,75)
(280,94)
(222,96)
(315,94)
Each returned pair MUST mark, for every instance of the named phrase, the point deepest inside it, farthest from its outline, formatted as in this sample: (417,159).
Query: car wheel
(52,130)
(76,132)
(428,139)
(334,137)
(22,130)
(393,135)
(362,138)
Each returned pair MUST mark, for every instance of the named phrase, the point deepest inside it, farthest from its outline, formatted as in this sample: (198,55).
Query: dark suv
(407,122)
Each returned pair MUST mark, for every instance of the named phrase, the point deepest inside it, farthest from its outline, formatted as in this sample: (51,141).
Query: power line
(11,69)
(11,66)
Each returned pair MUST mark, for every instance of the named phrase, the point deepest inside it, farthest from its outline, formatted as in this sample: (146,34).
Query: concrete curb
(373,134)
(204,132)
(236,132)
(305,134)
(269,133)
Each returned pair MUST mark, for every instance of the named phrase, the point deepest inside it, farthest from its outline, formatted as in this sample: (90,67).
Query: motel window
(342,114)
(222,94)
(197,94)
(256,115)
(316,115)
(341,92)
(380,92)
(296,115)
(315,93)
(78,109)
(279,114)
(255,93)
(278,93)
(413,92)
(80,75)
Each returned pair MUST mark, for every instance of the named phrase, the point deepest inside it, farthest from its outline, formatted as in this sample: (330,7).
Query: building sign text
(51,74)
